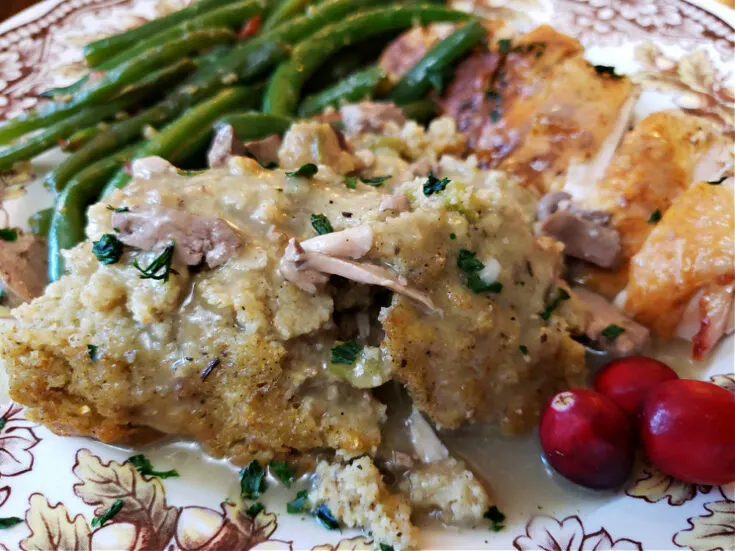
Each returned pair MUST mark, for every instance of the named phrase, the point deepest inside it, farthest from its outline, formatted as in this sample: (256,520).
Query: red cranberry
(587,438)
(627,381)
(688,431)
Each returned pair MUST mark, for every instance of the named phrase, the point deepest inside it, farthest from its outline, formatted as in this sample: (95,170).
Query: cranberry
(688,431)
(587,438)
(627,381)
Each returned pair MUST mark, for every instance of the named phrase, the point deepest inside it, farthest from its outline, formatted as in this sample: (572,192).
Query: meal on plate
(315,236)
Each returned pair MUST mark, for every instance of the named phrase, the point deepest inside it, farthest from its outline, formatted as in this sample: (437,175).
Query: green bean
(284,88)
(230,16)
(69,214)
(193,149)
(176,134)
(284,11)
(416,83)
(100,50)
(137,67)
(38,143)
(58,111)
(359,85)
(254,125)
(199,86)
(83,136)
(40,222)
(421,111)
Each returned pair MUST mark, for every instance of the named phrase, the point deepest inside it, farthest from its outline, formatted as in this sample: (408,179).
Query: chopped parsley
(321,224)
(452,236)
(607,70)
(3,422)
(185,172)
(434,185)
(493,95)
(9,522)
(160,268)
(504,46)
(612,332)
(325,517)
(143,465)
(495,115)
(304,171)
(351,182)
(717,182)
(252,480)
(468,263)
(298,504)
(384,547)
(524,349)
(655,217)
(496,517)
(255,509)
(92,352)
(118,209)
(560,295)
(283,472)
(108,249)
(8,234)
(375,181)
(114,509)
(345,352)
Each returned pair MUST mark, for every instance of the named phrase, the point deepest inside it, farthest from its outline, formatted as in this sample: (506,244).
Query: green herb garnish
(495,115)
(434,185)
(717,182)
(326,518)
(607,70)
(452,236)
(114,509)
(304,171)
(321,224)
(561,295)
(9,522)
(8,234)
(351,182)
(612,332)
(255,509)
(468,263)
(496,517)
(493,95)
(504,46)
(345,352)
(283,472)
(145,467)
(384,547)
(375,181)
(108,249)
(252,480)
(655,217)
(297,504)
(92,352)
(118,209)
(160,268)
(3,422)
(184,172)
(524,349)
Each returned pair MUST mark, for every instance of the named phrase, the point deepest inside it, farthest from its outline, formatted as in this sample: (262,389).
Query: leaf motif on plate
(360,543)
(204,529)
(726,381)
(713,531)
(52,529)
(544,532)
(17,438)
(654,485)
(144,500)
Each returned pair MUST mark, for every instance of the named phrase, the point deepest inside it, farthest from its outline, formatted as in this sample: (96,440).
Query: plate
(682,51)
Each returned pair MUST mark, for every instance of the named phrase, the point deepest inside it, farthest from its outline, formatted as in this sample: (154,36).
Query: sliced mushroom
(350,243)
(226,144)
(197,238)
(370,116)
(398,203)
(601,315)
(306,270)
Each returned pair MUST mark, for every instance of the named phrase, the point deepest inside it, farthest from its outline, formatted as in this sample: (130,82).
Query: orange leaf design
(359,543)
(144,500)
(654,485)
(52,529)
